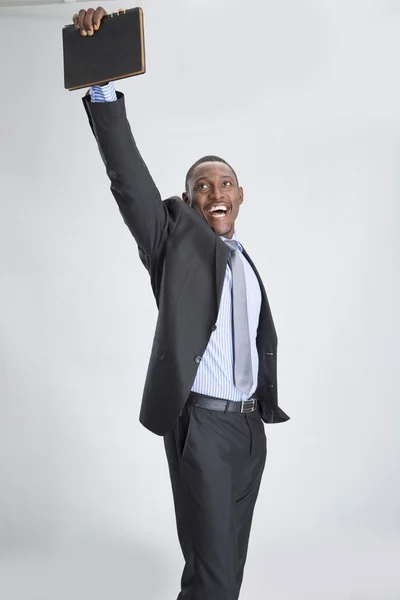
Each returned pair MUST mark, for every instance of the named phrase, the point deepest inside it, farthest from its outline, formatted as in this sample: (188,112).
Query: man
(211,380)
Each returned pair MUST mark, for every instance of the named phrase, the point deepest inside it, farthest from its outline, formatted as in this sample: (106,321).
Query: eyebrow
(222,177)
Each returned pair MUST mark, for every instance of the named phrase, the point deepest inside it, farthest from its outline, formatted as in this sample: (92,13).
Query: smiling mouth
(217,212)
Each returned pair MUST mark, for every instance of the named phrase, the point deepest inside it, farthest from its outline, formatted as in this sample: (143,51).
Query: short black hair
(204,159)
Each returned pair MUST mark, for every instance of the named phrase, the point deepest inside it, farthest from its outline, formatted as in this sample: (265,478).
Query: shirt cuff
(103,93)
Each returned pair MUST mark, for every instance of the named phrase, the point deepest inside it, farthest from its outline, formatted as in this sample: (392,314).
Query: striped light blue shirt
(105,93)
(215,375)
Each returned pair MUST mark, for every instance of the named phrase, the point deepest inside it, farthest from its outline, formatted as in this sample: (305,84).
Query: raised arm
(133,188)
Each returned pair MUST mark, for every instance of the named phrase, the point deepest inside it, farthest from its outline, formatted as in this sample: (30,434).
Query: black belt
(210,403)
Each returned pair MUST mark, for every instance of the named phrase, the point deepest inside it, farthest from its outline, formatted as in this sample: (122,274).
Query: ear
(185,198)
(240,195)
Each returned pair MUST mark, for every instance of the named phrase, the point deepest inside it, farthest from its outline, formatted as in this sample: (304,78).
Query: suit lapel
(247,257)
(265,313)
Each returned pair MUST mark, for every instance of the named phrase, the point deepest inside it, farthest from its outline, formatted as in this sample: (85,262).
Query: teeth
(215,208)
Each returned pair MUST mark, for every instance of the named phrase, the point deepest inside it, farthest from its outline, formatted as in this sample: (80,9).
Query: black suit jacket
(186,261)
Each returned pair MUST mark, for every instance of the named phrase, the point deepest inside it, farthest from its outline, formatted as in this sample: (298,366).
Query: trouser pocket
(182,430)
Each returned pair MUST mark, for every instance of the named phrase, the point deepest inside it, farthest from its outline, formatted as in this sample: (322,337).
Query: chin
(226,230)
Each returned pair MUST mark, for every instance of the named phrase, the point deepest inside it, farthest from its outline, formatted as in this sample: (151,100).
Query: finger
(88,22)
(81,19)
(75,19)
(98,17)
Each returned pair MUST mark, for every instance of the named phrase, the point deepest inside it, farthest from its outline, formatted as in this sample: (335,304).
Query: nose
(216,193)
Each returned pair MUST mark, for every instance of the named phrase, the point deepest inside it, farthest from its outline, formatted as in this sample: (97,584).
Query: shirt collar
(234,237)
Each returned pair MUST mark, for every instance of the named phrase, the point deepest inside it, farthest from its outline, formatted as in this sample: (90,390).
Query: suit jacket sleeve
(133,188)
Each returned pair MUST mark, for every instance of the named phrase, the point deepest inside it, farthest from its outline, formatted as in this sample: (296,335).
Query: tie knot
(232,244)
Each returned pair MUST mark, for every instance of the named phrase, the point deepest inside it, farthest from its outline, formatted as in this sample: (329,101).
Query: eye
(228,183)
(200,186)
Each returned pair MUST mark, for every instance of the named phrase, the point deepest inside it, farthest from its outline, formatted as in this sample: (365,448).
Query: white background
(302,98)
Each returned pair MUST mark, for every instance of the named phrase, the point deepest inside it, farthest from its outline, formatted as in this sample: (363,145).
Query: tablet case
(115,51)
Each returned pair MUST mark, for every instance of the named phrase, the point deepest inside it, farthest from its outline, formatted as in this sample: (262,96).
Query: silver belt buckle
(253,405)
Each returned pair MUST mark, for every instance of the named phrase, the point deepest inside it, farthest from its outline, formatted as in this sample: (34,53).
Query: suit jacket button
(197,359)
(213,328)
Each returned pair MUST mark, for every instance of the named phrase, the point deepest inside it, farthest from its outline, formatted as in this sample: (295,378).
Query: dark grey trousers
(216,461)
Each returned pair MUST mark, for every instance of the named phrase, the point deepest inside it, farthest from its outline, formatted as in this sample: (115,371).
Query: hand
(89,21)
